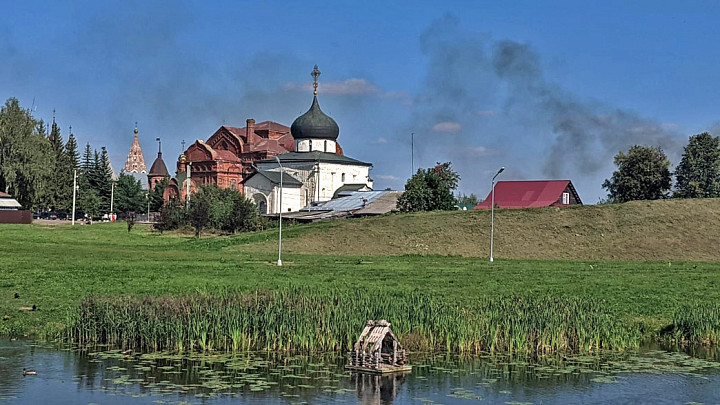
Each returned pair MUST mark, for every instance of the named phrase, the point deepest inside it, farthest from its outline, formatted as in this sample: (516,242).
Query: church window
(232,184)
(342,178)
(262,207)
(310,142)
(325,146)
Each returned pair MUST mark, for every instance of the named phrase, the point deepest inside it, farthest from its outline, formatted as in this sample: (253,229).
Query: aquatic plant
(311,320)
(695,323)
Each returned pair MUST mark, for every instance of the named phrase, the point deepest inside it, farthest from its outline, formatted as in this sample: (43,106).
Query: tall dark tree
(643,173)
(129,195)
(698,174)
(156,195)
(430,189)
(71,150)
(103,180)
(25,155)
(59,190)
(87,162)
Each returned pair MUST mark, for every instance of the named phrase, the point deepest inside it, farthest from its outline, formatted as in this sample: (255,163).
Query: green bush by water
(305,320)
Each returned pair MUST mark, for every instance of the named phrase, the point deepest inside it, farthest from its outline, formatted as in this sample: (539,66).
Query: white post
(74,193)
(187,187)
(492,212)
(279,262)
(112,199)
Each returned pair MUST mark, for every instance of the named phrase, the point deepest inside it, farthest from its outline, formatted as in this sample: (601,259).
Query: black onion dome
(158,167)
(314,124)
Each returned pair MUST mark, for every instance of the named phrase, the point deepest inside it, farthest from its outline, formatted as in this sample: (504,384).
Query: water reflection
(377,389)
(116,377)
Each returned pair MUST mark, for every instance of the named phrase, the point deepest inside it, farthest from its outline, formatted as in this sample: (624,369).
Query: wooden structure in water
(378,350)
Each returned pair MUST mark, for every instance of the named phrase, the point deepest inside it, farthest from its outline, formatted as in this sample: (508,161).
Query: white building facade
(313,173)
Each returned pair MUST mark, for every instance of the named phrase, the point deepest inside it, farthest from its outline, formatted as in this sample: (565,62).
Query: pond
(66,376)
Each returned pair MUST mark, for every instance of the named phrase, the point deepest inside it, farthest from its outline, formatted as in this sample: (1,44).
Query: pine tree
(71,150)
(103,180)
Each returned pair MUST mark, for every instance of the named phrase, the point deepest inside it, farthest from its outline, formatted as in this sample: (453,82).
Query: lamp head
(501,170)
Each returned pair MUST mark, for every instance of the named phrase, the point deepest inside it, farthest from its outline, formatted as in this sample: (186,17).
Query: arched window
(310,146)
(262,207)
(325,146)
(232,184)
(342,178)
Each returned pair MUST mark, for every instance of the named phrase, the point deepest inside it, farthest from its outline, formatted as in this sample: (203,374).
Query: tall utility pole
(492,212)
(279,262)
(412,153)
(74,194)
(112,199)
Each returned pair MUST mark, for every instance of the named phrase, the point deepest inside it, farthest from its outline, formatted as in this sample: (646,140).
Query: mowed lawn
(55,267)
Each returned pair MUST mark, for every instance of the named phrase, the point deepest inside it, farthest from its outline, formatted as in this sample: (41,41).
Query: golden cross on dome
(315,73)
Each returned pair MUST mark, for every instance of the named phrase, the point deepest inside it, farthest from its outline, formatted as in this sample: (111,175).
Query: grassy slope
(673,230)
(56,267)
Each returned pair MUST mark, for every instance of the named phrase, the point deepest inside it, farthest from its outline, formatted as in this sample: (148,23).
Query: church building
(253,159)
(313,173)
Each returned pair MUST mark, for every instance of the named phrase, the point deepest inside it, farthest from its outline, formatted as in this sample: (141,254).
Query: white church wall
(259,188)
(320,145)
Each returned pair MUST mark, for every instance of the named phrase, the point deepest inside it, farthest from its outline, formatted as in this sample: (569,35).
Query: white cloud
(387,177)
(479,151)
(447,127)
(347,87)
(380,140)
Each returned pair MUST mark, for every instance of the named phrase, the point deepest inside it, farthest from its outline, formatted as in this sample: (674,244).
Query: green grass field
(56,267)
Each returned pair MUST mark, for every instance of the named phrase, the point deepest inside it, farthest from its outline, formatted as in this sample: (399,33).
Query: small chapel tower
(158,170)
(314,131)
(135,162)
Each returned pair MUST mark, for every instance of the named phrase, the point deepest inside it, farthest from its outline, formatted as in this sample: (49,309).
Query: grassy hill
(671,230)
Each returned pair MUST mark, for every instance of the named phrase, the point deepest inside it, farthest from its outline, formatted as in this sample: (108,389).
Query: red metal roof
(527,194)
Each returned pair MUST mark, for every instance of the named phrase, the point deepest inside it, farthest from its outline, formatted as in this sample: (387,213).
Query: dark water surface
(650,376)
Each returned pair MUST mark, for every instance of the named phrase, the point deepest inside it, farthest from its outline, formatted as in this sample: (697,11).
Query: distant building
(244,159)
(11,211)
(317,165)
(158,170)
(135,162)
(534,193)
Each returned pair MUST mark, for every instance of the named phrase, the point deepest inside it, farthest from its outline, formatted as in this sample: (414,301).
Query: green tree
(643,173)
(25,156)
(472,199)
(430,189)
(172,216)
(129,195)
(199,213)
(698,174)
(103,180)
(156,195)
(71,150)
(59,191)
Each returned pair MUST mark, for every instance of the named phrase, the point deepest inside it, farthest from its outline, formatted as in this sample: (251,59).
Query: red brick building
(226,158)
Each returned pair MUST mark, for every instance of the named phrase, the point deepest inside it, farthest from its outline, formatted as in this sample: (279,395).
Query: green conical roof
(314,124)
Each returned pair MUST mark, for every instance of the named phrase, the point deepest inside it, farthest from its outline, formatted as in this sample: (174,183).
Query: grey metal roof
(9,203)
(314,156)
(350,200)
(274,177)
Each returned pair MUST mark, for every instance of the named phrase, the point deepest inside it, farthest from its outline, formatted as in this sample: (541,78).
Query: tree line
(37,167)
(643,172)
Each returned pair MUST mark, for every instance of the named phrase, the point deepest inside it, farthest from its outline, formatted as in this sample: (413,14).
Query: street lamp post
(279,262)
(74,194)
(492,212)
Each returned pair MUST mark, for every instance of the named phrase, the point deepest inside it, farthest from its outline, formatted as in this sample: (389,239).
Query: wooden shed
(378,350)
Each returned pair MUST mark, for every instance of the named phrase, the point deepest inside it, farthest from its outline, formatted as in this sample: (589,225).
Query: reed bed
(304,320)
(695,323)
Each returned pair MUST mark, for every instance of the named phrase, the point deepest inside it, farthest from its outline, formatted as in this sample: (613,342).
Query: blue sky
(546,89)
